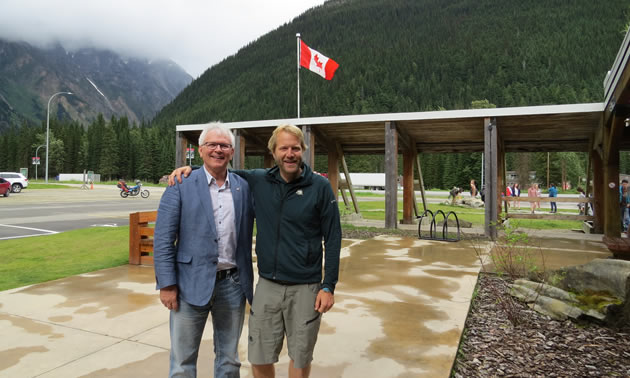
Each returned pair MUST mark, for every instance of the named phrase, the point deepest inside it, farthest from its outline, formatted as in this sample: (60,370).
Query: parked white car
(17,180)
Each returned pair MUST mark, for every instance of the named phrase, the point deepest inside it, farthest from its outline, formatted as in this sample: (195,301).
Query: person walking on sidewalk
(532,193)
(553,193)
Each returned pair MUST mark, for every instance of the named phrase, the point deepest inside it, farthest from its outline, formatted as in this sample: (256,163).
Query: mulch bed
(538,346)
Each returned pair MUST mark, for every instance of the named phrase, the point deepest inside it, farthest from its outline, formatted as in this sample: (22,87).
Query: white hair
(220,128)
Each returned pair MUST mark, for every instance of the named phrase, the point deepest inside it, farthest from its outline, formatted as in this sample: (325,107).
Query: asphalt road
(44,211)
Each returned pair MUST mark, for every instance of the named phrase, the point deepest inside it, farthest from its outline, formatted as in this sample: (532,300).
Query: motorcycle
(126,191)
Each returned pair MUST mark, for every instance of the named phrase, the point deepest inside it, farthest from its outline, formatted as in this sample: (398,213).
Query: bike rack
(433,226)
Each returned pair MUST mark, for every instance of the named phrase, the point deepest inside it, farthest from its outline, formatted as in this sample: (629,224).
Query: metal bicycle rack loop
(433,226)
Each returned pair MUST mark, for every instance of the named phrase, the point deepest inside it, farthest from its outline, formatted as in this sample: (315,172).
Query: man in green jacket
(295,208)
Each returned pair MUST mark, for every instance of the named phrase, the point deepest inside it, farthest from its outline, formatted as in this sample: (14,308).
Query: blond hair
(291,129)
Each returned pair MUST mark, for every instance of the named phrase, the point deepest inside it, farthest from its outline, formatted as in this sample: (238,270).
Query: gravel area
(537,346)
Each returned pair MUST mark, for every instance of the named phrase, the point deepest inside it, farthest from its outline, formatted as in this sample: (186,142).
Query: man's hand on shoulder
(177,174)
(168,297)
(324,301)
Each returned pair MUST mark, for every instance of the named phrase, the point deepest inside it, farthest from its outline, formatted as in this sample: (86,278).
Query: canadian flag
(316,62)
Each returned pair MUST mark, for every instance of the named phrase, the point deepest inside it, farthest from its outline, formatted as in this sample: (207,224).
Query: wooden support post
(180,149)
(134,238)
(409,156)
(599,187)
(348,179)
(345,198)
(391,175)
(492,190)
(309,155)
(333,170)
(238,160)
(268,161)
(589,167)
(502,168)
(612,211)
(421,181)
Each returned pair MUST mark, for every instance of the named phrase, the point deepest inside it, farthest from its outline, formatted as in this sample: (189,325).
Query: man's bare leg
(264,371)
(299,373)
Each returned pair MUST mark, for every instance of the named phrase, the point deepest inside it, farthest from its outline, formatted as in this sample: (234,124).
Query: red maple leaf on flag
(317,62)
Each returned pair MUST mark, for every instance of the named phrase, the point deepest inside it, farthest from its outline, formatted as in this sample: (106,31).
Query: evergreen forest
(394,56)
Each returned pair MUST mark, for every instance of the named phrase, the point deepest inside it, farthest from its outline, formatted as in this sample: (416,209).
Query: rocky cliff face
(102,82)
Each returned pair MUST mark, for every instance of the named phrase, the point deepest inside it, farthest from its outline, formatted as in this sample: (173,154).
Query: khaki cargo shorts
(278,310)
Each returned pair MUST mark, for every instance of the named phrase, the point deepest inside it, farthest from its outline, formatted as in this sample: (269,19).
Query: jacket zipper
(275,263)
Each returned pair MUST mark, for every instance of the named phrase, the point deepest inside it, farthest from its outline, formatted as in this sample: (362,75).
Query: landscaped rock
(599,289)
(543,299)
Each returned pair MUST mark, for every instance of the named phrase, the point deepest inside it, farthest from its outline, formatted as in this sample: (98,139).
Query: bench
(141,237)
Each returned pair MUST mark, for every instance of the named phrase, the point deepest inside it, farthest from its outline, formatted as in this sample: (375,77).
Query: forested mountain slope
(415,55)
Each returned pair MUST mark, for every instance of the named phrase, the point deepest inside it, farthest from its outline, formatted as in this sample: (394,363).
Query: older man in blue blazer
(203,259)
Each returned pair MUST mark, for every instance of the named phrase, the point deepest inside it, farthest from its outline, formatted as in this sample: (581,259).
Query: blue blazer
(185,246)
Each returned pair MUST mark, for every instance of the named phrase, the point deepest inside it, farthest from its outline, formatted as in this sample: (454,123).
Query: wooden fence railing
(141,237)
(547,215)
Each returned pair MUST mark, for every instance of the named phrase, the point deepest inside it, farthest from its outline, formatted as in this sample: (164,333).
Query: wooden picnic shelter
(600,129)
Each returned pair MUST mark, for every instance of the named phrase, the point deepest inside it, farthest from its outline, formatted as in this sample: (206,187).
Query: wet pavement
(401,305)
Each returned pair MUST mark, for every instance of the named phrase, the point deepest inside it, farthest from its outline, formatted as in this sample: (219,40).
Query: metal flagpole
(298,74)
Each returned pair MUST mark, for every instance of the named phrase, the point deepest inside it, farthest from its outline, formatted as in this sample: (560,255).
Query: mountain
(415,55)
(102,82)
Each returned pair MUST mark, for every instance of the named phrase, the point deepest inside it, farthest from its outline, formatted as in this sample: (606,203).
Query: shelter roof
(529,128)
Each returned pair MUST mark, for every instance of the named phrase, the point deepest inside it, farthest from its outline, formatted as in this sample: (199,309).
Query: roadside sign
(24,171)
(36,160)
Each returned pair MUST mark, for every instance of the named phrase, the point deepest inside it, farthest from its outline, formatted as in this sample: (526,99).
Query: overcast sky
(196,34)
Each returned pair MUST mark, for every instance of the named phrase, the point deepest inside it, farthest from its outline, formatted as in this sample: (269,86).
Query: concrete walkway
(401,305)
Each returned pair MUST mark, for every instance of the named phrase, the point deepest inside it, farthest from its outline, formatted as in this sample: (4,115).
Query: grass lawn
(43,185)
(43,258)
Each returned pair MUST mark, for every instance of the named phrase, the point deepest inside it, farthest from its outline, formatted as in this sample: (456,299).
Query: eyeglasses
(214,146)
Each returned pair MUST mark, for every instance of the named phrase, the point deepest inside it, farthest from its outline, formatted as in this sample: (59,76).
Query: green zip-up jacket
(291,220)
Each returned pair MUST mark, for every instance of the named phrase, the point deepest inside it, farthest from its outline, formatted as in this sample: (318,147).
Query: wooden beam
(551,216)
(333,171)
(348,179)
(599,188)
(612,213)
(405,139)
(180,149)
(617,81)
(345,198)
(589,167)
(238,160)
(491,171)
(421,182)
(257,141)
(268,161)
(309,155)
(548,199)
(409,156)
(391,175)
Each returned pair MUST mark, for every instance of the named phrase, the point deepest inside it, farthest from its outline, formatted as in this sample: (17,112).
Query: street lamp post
(36,155)
(48,127)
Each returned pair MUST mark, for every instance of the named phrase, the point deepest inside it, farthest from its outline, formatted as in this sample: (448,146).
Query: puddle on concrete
(60,319)
(11,357)
(31,326)
(401,283)
(384,264)
(116,285)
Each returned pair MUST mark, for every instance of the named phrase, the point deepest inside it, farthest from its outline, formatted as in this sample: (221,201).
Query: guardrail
(141,237)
